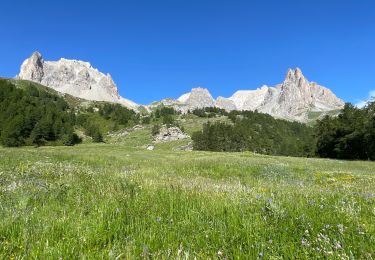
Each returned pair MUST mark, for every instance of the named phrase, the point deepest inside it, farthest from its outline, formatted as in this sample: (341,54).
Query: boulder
(150,147)
(167,134)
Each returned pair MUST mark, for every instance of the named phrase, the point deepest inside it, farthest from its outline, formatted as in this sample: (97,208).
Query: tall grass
(123,202)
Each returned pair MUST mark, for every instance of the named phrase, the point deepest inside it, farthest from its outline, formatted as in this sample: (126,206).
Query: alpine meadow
(187,130)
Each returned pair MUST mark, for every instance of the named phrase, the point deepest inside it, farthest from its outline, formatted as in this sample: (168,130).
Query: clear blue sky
(157,49)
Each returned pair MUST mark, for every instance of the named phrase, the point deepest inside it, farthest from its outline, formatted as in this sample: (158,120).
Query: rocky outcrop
(187,147)
(169,102)
(249,99)
(225,103)
(150,147)
(74,77)
(167,134)
(197,98)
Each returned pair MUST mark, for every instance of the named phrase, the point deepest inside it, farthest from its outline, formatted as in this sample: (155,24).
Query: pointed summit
(32,68)
(298,73)
(36,54)
(294,74)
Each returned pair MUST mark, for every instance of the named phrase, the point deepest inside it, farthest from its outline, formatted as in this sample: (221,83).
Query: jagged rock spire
(294,75)
(32,68)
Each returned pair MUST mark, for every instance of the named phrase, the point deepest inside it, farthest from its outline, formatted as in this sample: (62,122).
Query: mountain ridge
(74,77)
(293,99)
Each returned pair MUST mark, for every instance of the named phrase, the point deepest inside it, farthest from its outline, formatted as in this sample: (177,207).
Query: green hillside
(120,201)
(32,114)
(117,200)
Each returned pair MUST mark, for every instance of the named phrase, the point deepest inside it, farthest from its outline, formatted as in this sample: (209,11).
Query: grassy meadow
(119,201)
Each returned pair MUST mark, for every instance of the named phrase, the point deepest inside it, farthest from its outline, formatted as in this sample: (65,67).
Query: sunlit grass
(122,201)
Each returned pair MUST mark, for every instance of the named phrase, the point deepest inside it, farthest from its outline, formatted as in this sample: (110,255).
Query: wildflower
(179,250)
(304,242)
(340,227)
(337,245)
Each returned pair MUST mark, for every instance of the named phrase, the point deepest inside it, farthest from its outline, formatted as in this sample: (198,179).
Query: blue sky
(157,49)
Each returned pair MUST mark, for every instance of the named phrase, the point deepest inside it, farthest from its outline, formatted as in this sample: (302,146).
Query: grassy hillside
(120,201)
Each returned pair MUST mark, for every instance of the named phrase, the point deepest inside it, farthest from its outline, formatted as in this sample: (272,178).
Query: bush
(94,132)
(155,130)
(70,139)
(168,120)
(97,137)
(146,120)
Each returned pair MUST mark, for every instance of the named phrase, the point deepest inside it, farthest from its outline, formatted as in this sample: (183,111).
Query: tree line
(351,135)
(31,115)
(256,132)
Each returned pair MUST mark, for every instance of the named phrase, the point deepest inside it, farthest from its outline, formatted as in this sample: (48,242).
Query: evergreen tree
(12,134)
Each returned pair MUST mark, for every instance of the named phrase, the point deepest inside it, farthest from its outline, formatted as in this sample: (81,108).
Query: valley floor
(120,201)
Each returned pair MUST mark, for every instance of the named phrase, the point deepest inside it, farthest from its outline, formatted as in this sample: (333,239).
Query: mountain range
(294,99)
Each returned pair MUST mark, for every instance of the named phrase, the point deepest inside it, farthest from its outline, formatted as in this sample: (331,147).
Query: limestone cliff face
(296,96)
(74,77)
(225,103)
(293,99)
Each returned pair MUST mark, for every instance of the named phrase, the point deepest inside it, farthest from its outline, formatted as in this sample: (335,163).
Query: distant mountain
(74,77)
(197,98)
(294,99)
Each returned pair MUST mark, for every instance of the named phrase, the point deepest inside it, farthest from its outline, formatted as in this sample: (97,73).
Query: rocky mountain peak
(198,98)
(294,75)
(36,55)
(297,96)
(32,68)
(293,99)
(74,77)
